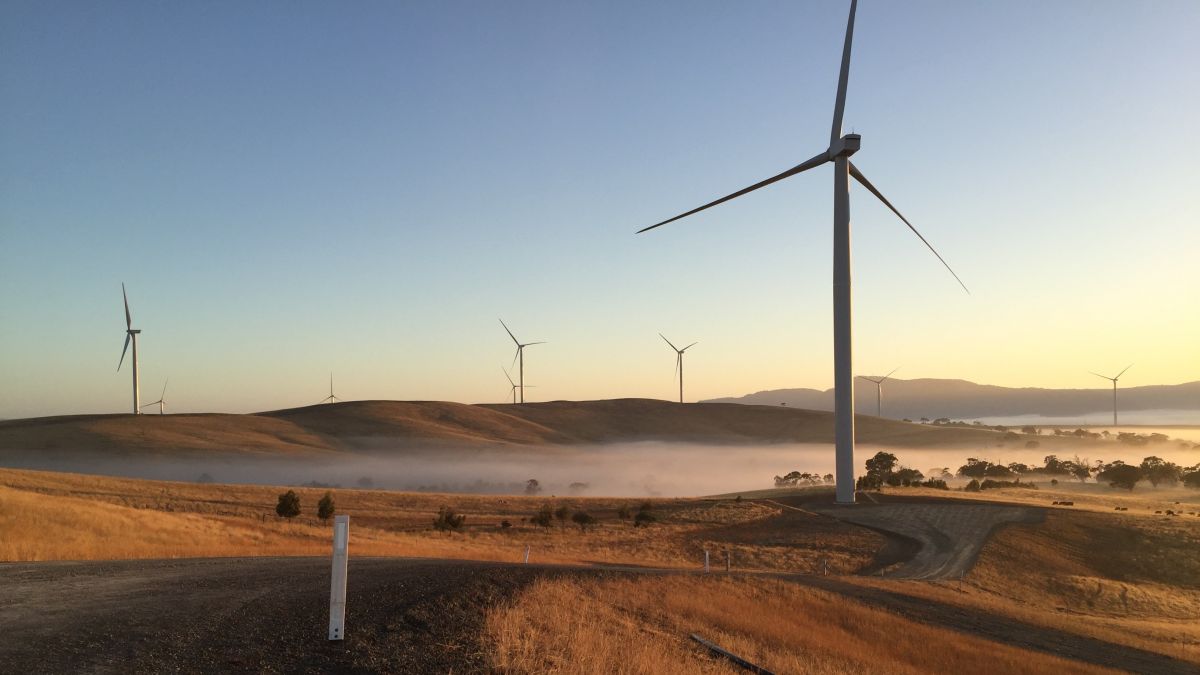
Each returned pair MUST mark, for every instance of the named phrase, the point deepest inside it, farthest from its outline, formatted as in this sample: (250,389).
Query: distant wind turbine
(330,398)
(162,399)
(513,384)
(519,356)
(839,151)
(131,334)
(1114,381)
(879,390)
(678,362)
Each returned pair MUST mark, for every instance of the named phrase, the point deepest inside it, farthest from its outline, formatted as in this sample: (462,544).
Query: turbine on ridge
(131,334)
(678,362)
(330,398)
(879,390)
(162,399)
(519,356)
(838,153)
(1114,381)
(514,385)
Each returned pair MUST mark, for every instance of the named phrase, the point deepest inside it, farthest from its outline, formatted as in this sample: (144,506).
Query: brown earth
(364,426)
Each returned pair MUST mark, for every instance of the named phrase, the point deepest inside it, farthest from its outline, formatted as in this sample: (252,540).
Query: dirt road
(403,615)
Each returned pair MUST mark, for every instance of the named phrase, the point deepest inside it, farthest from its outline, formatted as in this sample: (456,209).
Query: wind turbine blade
(128,318)
(814,162)
(507,376)
(1122,372)
(123,350)
(678,360)
(506,330)
(689,346)
(163,396)
(889,374)
(534,343)
(867,184)
(839,104)
(668,341)
(517,354)
(1099,375)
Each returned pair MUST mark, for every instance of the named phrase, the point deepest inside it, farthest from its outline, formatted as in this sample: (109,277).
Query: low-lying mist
(628,469)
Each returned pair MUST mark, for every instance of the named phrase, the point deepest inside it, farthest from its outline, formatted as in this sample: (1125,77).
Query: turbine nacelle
(844,147)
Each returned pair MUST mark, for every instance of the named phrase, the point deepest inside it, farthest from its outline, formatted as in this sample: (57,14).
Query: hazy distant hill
(960,399)
(391,426)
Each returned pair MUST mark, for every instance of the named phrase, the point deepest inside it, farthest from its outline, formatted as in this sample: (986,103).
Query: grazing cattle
(1158,512)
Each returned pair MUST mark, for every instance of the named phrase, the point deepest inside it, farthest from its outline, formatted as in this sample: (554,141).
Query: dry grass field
(1129,577)
(60,516)
(641,625)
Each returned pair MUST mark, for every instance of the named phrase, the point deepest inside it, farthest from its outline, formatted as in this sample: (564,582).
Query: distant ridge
(413,426)
(960,399)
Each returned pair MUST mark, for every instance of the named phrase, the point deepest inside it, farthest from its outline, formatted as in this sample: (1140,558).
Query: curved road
(403,615)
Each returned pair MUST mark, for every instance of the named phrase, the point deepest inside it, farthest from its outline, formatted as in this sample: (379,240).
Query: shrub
(973,486)
(325,507)
(1054,481)
(582,519)
(623,512)
(504,524)
(643,519)
(990,484)
(562,513)
(289,504)
(544,517)
(447,520)
(936,483)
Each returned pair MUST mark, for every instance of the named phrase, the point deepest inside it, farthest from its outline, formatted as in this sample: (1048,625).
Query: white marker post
(526,554)
(337,590)
(706,561)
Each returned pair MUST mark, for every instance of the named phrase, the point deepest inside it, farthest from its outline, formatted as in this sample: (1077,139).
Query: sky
(290,190)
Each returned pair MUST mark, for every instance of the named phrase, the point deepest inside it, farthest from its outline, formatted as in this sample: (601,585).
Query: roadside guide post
(337,590)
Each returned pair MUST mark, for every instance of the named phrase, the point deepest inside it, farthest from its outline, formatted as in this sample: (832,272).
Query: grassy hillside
(366,425)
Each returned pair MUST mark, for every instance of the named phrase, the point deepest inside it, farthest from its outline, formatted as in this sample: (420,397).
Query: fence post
(728,557)
(706,561)
(337,589)
(527,554)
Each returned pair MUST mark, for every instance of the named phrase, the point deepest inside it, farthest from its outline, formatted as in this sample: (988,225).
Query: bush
(624,513)
(325,507)
(562,513)
(644,517)
(935,483)
(447,520)
(973,486)
(289,504)
(544,517)
(582,519)
(990,484)
(504,524)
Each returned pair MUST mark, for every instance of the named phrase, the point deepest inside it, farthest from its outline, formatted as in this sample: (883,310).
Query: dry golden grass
(1131,577)
(55,516)
(641,625)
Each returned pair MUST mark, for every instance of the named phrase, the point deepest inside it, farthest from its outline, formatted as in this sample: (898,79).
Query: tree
(974,468)
(1192,479)
(562,513)
(623,512)
(544,517)
(583,520)
(577,488)
(532,487)
(1032,430)
(447,520)
(289,504)
(325,507)
(1120,474)
(366,482)
(1158,470)
(827,478)
(644,516)
(908,476)
(881,465)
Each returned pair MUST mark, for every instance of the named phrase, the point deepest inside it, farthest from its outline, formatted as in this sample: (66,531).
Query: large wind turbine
(1114,381)
(678,361)
(330,398)
(879,390)
(131,334)
(512,391)
(162,399)
(519,356)
(839,151)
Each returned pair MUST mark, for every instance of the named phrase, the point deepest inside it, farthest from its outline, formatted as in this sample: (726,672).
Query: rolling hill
(391,426)
(960,399)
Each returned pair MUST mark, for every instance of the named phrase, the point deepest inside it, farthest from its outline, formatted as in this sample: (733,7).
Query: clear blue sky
(289,189)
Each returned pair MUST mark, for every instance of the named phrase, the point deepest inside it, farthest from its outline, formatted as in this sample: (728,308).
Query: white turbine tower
(839,151)
(162,399)
(520,355)
(879,390)
(330,398)
(1114,381)
(131,334)
(678,361)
